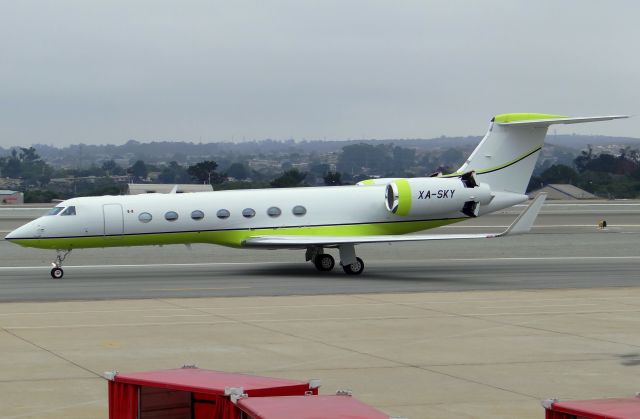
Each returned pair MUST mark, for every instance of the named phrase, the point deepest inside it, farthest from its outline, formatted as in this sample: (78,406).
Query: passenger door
(113,219)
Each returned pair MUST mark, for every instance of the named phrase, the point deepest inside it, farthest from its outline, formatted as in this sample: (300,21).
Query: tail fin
(506,156)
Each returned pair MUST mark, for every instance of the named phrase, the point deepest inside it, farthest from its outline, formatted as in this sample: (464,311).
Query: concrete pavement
(421,355)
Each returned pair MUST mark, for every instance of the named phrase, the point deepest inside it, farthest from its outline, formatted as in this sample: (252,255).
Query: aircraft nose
(27,231)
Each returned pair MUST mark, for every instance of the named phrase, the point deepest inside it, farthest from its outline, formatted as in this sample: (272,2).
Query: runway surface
(565,250)
(271,279)
(550,314)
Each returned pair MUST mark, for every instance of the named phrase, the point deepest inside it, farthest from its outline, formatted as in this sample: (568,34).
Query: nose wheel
(57,272)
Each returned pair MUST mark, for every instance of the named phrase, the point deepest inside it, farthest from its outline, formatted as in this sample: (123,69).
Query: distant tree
(320,169)
(28,155)
(610,164)
(333,179)
(111,168)
(452,157)
(101,186)
(11,166)
(238,171)
(38,196)
(583,159)
(364,158)
(559,173)
(138,170)
(403,158)
(174,173)
(205,172)
(26,165)
(289,179)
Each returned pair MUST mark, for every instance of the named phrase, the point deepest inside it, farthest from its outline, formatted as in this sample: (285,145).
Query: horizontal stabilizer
(559,120)
(521,225)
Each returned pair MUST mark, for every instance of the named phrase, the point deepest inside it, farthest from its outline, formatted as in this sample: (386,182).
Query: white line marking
(178,265)
(50,409)
(153,265)
(312,319)
(537,306)
(196,289)
(538,258)
(181,315)
(587,204)
(594,226)
(92,325)
(232,309)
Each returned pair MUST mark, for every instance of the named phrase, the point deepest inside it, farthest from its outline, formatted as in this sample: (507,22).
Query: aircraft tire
(354,268)
(324,262)
(57,273)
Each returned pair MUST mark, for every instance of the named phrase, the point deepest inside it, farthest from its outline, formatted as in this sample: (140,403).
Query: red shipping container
(191,393)
(620,408)
(310,407)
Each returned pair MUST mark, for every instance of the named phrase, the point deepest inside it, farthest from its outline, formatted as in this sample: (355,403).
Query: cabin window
(248,213)
(145,217)
(197,215)
(299,210)
(223,213)
(55,210)
(274,212)
(69,211)
(171,216)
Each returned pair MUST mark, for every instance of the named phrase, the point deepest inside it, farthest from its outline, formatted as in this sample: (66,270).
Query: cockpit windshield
(69,211)
(55,210)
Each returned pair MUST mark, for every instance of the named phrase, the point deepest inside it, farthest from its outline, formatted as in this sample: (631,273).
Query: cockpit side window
(69,211)
(55,210)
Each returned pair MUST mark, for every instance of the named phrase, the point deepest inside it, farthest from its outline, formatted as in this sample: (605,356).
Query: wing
(521,225)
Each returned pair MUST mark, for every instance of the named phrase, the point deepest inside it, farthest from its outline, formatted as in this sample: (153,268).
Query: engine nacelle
(433,196)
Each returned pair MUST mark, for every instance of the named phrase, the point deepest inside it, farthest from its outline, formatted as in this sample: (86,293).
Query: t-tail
(506,156)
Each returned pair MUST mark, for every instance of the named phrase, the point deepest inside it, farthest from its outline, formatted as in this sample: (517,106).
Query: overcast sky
(110,71)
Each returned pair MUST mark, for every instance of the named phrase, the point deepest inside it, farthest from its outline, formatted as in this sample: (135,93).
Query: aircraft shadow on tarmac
(416,273)
(630,360)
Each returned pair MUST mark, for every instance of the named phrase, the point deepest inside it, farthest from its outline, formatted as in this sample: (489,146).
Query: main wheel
(324,262)
(57,273)
(355,268)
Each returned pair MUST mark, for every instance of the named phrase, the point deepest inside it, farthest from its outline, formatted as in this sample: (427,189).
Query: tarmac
(483,328)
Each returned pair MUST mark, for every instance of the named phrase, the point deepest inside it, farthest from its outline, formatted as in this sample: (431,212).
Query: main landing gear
(56,271)
(324,262)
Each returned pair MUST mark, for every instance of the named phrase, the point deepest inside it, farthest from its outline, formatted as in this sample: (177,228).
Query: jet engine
(437,195)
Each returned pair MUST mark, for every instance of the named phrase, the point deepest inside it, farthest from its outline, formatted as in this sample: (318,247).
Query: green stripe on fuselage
(231,238)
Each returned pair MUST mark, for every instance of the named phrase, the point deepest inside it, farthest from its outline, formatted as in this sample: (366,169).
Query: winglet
(525,220)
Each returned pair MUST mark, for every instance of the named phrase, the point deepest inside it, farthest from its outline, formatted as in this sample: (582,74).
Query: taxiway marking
(200,264)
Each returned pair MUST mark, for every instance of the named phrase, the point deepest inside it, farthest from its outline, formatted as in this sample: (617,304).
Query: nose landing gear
(56,271)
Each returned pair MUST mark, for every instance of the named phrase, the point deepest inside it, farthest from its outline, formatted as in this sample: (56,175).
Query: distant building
(563,191)
(141,188)
(11,197)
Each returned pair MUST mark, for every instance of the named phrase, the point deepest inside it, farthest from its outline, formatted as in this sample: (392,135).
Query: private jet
(314,219)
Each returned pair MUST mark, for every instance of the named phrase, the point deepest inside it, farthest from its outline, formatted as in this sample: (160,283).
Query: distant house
(141,188)
(563,191)
(11,197)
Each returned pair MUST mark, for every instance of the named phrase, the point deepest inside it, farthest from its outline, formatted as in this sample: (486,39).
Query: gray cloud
(102,72)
